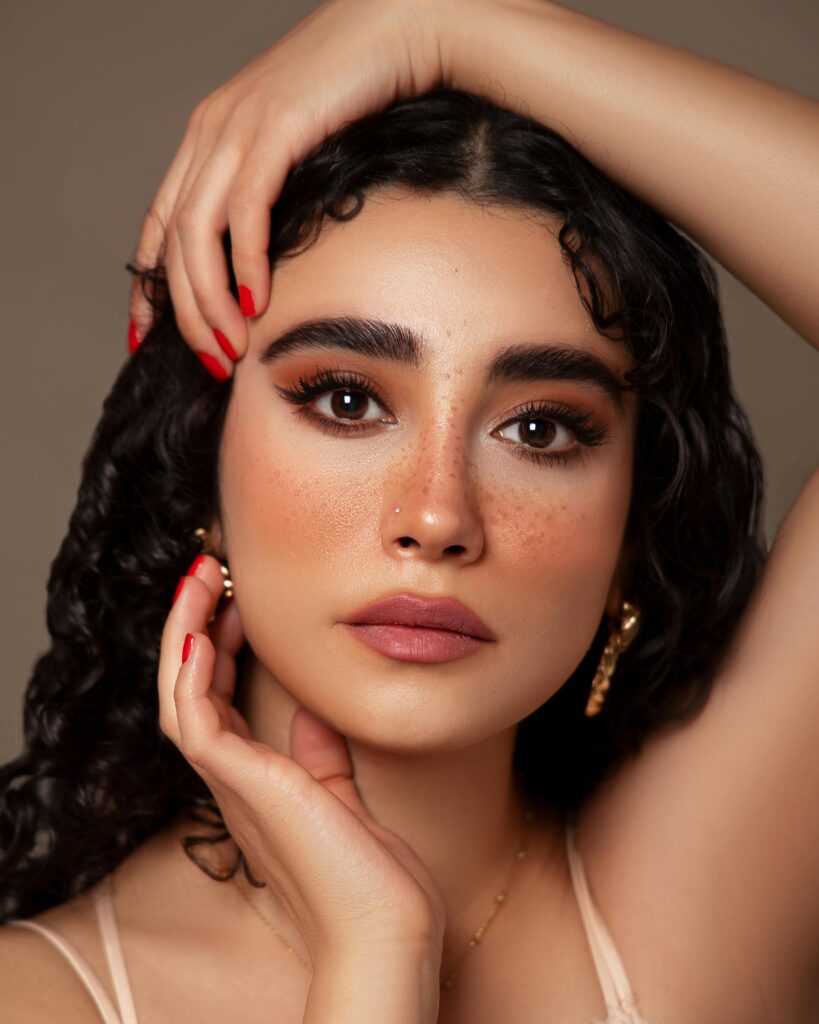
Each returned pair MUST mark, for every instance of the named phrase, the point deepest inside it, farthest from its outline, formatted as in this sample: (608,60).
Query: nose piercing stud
(396,510)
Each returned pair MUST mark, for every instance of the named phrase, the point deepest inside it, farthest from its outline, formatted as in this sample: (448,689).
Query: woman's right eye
(348,403)
(345,396)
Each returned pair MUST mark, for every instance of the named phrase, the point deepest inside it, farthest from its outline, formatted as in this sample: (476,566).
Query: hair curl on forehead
(97,777)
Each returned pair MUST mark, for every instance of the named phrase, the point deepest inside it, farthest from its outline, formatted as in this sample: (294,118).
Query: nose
(433,514)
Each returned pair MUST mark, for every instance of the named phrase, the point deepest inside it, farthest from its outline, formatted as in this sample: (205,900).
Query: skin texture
(310,533)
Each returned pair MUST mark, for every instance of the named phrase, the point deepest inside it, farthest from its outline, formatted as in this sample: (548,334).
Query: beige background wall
(94,97)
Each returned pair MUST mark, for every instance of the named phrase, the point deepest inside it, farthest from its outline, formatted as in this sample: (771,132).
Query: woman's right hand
(352,887)
(346,59)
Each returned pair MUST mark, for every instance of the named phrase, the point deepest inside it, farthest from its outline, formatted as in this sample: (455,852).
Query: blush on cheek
(279,510)
(566,552)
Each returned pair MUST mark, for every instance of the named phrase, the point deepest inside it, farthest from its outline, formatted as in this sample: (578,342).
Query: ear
(213,541)
(216,536)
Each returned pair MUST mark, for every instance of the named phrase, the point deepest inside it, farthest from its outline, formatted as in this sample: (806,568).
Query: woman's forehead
(461,275)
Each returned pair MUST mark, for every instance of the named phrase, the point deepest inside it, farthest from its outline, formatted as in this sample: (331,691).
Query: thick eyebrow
(399,344)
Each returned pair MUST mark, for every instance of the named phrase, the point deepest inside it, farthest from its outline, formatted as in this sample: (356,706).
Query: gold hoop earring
(621,635)
(208,549)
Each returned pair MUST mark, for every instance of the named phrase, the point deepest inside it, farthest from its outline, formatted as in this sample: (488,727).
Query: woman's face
(308,510)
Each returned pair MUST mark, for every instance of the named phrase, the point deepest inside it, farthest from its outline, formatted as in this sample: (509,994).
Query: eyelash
(581,424)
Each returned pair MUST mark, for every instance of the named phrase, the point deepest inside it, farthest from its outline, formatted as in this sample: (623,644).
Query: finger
(254,192)
(227,761)
(199,723)
(193,607)
(149,249)
(324,753)
(189,319)
(152,238)
(226,631)
(201,225)
(228,638)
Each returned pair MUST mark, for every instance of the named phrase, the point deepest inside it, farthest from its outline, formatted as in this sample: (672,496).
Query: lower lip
(416,643)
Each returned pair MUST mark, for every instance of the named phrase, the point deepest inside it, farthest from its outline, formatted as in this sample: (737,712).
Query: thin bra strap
(104,906)
(617,992)
(81,966)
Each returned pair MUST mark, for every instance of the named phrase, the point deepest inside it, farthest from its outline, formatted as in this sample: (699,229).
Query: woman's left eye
(539,433)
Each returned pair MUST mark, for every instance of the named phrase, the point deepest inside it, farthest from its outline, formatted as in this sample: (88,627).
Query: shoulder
(36,979)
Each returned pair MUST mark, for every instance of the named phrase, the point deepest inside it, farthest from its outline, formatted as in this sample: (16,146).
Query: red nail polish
(187,647)
(178,590)
(213,366)
(246,303)
(134,339)
(199,560)
(225,345)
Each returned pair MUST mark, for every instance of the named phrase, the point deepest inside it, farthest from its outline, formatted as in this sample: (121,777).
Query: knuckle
(287,119)
(198,113)
(243,200)
(195,754)
(190,217)
(244,258)
(212,113)
(283,773)
(152,233)
(153,220)
(166,725)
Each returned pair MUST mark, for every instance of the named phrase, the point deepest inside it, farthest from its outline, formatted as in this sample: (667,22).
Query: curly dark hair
(98,777)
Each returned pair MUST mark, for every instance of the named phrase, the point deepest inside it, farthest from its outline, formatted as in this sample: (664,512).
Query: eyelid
(586,428)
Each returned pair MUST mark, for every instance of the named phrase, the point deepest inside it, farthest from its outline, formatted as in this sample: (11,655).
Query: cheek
(570,527)
(290,526)
(275,506)
(560,555)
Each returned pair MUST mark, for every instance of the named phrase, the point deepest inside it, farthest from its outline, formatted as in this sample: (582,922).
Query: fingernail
(213,366)
(246,303)
(187,647)
(225,345)
(134,339)
(194,566)
(199,560)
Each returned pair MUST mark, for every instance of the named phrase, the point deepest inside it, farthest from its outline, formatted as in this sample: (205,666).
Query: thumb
(324,753)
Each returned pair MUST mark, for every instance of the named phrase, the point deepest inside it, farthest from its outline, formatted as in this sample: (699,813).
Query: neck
(460,810)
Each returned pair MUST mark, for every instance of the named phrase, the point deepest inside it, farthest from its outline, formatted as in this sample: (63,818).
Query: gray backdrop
(95,95)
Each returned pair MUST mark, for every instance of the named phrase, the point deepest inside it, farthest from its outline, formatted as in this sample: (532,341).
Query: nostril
(405,541)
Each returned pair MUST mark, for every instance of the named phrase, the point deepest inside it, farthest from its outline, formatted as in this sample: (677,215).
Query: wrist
(389,985)
(475,38)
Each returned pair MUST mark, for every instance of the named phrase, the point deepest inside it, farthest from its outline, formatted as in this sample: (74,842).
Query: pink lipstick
(410,627)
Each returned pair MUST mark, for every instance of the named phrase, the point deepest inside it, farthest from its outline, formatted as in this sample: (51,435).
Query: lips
(414,610)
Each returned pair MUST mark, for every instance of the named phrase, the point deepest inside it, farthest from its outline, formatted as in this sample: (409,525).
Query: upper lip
(417,610)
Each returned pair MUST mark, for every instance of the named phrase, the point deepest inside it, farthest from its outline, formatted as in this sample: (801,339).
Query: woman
(620,693)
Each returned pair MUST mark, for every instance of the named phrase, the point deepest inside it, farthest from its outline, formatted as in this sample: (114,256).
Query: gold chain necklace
(500,899)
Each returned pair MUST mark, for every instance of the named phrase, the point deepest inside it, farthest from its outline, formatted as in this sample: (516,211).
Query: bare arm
(731,159)
(401,989)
